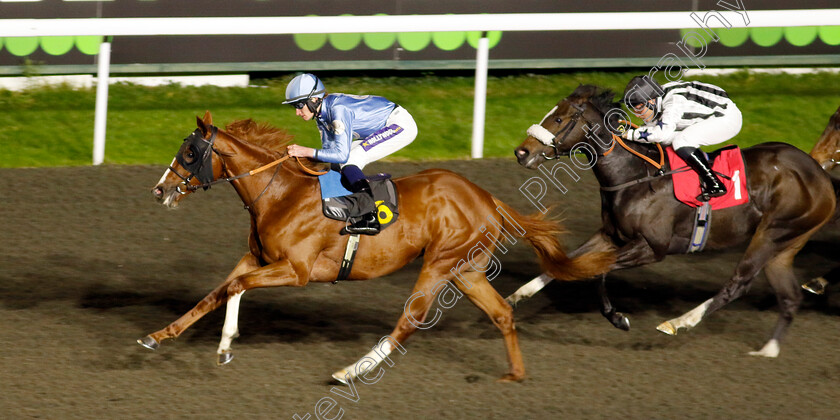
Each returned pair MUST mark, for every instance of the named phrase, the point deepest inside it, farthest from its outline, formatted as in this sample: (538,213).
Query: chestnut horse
(791,197)
(827,149)
(443,217)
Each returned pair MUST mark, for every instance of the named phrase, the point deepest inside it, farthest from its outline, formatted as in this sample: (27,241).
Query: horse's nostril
(157,191)
(521,153)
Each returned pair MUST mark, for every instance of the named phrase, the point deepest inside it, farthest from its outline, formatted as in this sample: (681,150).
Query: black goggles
(298,104)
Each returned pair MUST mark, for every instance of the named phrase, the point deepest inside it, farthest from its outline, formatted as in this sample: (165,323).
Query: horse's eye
(559,120)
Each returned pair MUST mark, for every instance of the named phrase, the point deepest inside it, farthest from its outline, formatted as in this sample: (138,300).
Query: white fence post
(101,113)
(480,96)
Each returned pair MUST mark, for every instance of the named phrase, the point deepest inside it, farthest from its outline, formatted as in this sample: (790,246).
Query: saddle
(727,163)
(340,204)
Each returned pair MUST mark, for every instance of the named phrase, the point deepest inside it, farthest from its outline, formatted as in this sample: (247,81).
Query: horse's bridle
(206,159)
(198,168)
(565,131)
(832,159)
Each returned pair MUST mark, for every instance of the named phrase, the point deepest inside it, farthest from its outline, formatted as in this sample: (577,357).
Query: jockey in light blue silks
(355,130)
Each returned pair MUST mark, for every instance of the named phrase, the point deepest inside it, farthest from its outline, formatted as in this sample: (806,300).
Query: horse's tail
(542,235)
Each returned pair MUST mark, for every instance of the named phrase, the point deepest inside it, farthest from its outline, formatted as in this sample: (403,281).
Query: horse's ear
(205,123)
(200,123)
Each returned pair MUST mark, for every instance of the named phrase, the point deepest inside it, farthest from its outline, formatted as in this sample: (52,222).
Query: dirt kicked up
(89,263)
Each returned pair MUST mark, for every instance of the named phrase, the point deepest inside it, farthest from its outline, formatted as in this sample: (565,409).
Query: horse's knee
(738,286)
(233,289)
(788,306)
(504,322)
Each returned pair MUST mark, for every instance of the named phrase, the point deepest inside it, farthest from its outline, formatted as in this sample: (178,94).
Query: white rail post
(480,97)
(101,112)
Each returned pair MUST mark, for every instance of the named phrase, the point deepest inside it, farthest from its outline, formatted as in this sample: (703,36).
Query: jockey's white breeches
(403,130)
(713,130)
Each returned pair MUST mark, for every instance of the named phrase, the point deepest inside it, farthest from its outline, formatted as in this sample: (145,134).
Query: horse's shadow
(148,298)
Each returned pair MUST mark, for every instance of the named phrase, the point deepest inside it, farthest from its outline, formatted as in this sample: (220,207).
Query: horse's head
(193,165)
(564,127)
(827,149)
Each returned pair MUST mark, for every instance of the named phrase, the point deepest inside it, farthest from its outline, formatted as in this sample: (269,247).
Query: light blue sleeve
(335,140)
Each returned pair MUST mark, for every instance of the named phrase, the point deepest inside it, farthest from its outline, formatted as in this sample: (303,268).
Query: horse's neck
(240,157)
(620,166)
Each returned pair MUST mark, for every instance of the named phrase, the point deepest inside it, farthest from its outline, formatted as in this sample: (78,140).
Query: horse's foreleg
(633,254)
(529,289)
(230,330)
(276,274)
(597,243)
(210,302)
(618,319)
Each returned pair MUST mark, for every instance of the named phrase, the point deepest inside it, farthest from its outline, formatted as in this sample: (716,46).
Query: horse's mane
(270,137)
(260,134)
(600,98)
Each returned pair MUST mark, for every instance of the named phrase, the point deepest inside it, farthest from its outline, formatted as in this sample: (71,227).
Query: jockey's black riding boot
(696,159)
(367,224)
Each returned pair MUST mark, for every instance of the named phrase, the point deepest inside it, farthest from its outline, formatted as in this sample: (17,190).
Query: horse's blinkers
(201,166)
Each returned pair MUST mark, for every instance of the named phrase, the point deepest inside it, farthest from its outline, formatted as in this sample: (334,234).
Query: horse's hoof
(623,323)
(771,350)
(224,358)
(762,353)
(341,376)
(148,342)
(511,378)
(816,286)
(667,327)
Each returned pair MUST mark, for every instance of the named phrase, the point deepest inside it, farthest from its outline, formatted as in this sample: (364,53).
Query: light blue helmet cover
(303,87)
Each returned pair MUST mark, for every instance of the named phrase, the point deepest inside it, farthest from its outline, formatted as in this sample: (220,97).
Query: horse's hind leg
(818,285)
(413,316)
(760,250)
(764,249)
(486,298)
(780,274)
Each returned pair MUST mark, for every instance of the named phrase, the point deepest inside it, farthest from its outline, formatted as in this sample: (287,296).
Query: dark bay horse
(826,150)
(791,197)
(443,217)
